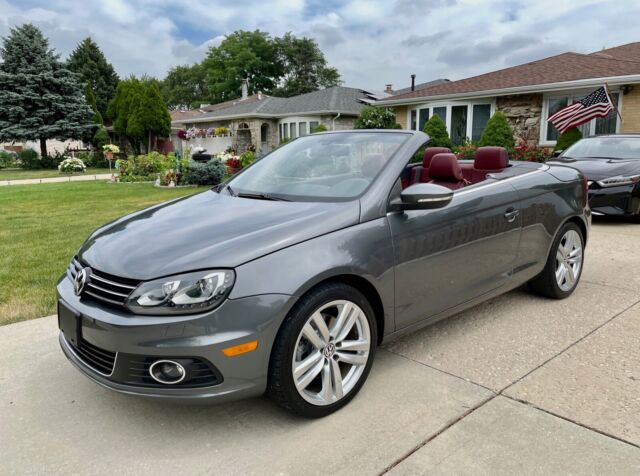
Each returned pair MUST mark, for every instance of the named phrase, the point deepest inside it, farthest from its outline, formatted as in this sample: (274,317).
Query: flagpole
(615,106)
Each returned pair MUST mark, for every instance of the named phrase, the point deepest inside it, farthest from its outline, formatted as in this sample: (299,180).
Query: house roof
(620,61)
(180,115)
(338,99)
(419,87)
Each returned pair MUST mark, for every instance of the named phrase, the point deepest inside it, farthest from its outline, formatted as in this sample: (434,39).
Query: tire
(320,353)
(567,252)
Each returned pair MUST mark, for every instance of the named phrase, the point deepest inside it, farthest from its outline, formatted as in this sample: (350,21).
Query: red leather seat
(445,170)
(421,173)
(488,159)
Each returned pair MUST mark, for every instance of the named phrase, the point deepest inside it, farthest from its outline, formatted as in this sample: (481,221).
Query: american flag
(596,104)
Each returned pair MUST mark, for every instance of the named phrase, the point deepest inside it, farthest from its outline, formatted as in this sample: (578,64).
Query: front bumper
(623,200)
(202,337)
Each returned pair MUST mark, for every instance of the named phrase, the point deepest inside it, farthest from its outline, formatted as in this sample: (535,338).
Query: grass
(41,228)
(18,174)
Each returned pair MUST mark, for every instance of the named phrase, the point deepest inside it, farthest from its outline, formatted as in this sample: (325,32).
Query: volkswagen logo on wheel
(329,350)
(80,281)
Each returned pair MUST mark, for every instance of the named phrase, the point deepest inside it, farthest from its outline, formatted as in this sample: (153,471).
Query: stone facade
(524,112)
(630,111)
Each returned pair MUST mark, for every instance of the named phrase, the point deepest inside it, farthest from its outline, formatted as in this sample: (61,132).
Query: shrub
(436,129)
(319,128)
(7,159)
(209,173)
(29,159)
(101,138)
(247,158)
(372,117)
(233,163)
(498,133)
(70,166)
(146,165)
(284,140)
(531,153)
(568,138)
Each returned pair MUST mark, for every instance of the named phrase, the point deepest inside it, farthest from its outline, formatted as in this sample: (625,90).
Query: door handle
(511,215)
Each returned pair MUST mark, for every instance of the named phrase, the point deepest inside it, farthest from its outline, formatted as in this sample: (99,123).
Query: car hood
(208,230)
(598,169)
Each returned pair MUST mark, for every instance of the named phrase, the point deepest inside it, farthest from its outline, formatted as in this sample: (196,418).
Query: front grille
(199,372)
(103,287)
(98,359)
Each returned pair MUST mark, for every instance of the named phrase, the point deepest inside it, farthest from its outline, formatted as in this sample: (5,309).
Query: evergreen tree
(91,101)
(498,133)
(436,129)
(90,63)
(39,98)
(139,112)
(568,138)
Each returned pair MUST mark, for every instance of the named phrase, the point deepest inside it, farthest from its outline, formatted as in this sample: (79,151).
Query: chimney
(245,89)
(388,89)
(413,82)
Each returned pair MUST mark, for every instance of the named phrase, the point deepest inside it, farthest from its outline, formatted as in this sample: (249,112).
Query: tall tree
(138,112)
(91,101)
(242,55)
(304,66)
(39,98)
(90,63)
(185,87)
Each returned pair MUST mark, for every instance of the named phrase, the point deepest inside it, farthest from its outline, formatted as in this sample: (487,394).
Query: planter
(233,170)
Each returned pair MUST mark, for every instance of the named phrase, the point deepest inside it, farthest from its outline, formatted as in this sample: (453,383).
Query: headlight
(182,294)
(619,180)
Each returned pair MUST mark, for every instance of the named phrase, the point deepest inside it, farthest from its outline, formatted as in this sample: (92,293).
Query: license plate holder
(70,323)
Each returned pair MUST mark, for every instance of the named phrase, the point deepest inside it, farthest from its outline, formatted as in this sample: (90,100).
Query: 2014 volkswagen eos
(287,277)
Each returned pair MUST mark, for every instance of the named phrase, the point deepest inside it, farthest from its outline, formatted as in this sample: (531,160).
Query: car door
(447,256)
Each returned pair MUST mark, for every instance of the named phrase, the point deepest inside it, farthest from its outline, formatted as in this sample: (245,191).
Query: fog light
(167,372)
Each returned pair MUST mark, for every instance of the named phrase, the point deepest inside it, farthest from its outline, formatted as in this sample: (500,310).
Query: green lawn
(42,226)
(17,174)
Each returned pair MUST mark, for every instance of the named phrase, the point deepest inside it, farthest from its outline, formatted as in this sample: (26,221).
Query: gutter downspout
(333,121)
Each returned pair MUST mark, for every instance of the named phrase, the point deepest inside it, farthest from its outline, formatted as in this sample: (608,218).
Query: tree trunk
(149,143)
(43,148)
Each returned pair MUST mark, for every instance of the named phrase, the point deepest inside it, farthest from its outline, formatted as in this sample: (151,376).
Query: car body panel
(421,265)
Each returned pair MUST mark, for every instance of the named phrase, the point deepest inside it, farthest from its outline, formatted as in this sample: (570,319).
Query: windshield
(324,167)
(605,147)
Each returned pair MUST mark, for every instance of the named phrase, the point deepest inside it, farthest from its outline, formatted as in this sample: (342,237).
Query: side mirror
(423,196)
(556,153)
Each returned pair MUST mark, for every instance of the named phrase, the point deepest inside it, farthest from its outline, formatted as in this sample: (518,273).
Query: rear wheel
(323,352)
(564,264)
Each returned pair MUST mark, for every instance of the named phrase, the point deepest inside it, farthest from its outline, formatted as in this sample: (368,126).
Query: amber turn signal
(240,348)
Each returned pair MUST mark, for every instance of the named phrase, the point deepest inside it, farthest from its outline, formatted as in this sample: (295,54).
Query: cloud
(371,43)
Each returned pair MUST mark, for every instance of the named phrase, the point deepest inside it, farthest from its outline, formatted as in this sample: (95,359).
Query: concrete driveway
(518,385)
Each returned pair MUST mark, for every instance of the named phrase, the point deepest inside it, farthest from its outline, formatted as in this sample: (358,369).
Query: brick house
(264,121)
(528,94)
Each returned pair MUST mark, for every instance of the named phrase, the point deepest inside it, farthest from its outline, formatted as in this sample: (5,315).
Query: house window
(302,128)
(285,131)
(458,124)
(601,125)
(481,114)
(313,125)
(413,119)
(292,130)
(442,112)
(423,114)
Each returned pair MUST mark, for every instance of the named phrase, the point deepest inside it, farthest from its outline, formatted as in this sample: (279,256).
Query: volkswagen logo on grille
(329,350)
(80,281)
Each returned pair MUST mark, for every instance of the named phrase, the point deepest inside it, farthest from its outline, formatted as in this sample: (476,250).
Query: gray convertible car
(287,277)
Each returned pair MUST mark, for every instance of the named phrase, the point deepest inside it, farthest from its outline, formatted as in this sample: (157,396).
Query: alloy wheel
(331,352)
(568,260)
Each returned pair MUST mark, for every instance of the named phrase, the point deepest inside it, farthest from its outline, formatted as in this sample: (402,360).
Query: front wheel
(323,352)
(564,264)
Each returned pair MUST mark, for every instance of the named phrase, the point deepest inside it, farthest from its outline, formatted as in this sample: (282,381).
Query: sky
(371,43)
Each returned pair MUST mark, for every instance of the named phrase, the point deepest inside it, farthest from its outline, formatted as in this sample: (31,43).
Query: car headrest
(429,152)
(445,166)
(372,164)
(490,158)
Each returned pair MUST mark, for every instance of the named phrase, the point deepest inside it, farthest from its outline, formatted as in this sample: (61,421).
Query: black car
(611,165)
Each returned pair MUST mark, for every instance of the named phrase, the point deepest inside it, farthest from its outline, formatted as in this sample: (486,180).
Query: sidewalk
(70,178)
